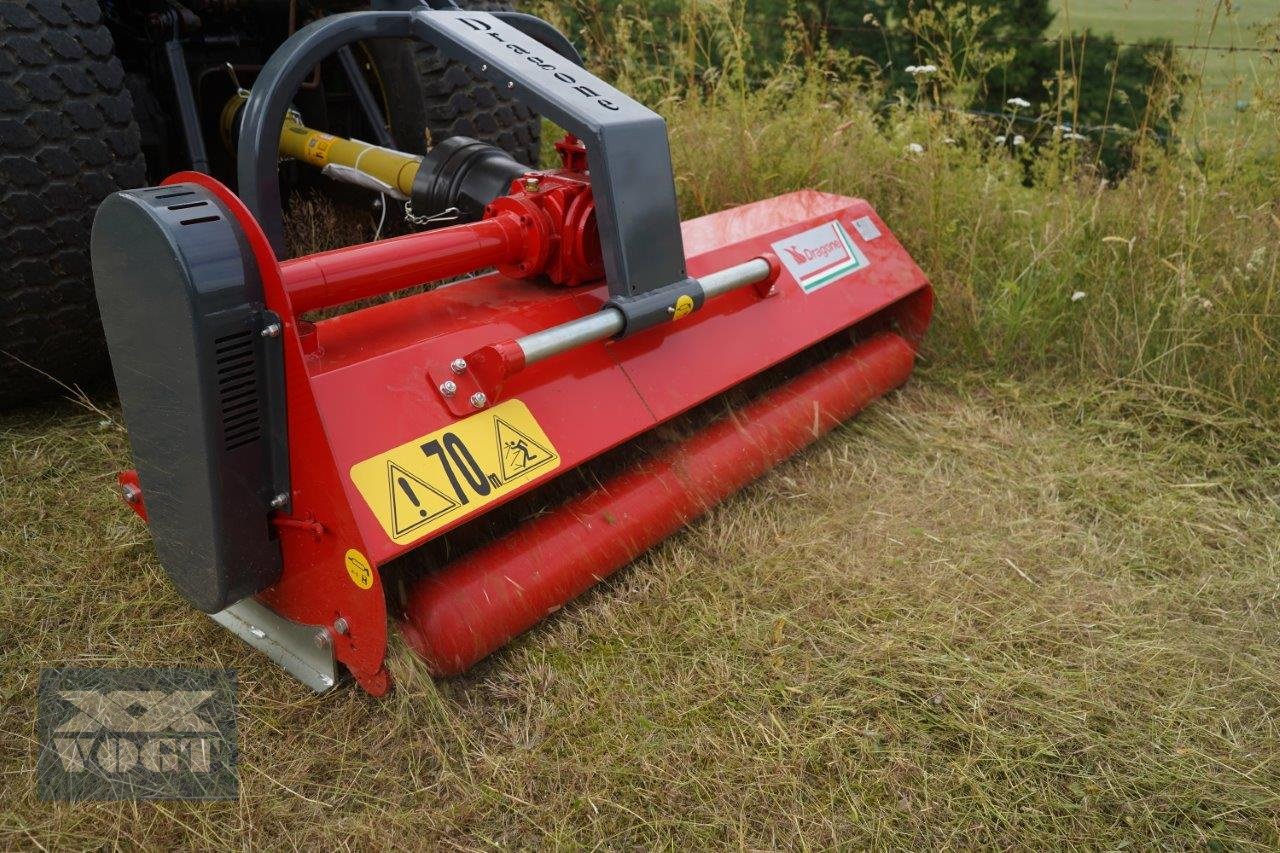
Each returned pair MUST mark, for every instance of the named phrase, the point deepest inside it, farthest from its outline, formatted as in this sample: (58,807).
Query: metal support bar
(188,115)
(364,97)
(632,179)
(610,320)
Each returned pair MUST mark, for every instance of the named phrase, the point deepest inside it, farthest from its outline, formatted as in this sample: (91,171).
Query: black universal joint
(464,174)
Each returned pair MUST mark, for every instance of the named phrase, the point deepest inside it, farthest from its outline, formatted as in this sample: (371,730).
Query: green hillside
(1204,23)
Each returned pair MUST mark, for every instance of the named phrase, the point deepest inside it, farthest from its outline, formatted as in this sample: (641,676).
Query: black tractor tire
(67,140)
(430,98)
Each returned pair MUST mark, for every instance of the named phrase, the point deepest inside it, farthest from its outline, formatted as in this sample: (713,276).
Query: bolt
(448,388)
(271,330)
(484,67)
(279,500)
(478,400)
(511,85)
(340,626)
(132,494)
(321,638)
(532,185)
(458,365)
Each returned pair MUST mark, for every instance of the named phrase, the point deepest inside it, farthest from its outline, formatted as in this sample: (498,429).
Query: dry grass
(984,613)
(1031,601)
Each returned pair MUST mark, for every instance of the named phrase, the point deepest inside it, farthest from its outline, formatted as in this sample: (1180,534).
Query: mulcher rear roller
(283,462)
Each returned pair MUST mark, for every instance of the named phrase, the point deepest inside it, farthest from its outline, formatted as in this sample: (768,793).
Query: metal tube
(341,276)
(605,323)
(753,271)
(609,321)
(470,608)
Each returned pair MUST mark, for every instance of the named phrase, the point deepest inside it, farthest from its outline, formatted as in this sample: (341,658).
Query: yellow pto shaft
(348,160)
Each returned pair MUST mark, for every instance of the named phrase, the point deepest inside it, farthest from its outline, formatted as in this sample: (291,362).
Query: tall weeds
(1166,278)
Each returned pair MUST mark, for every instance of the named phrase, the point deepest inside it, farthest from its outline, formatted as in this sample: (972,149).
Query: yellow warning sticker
(359,569)
(419,487)
(318,147)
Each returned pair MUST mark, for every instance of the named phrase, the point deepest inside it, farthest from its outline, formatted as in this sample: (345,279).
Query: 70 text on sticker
(428,483)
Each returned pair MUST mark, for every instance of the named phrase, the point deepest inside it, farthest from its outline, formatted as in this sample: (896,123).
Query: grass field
(1228,76)
(985,613)
(1030,601)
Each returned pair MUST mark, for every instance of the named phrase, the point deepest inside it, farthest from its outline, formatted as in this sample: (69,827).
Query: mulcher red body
(283,460)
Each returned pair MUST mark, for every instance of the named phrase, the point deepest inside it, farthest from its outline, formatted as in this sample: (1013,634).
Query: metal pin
(478,400)
(448,388)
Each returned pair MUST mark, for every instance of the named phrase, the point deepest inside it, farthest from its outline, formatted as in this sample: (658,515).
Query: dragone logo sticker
(820,256)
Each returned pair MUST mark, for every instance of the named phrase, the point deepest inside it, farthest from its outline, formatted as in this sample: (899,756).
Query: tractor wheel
(430,98)
(67,140)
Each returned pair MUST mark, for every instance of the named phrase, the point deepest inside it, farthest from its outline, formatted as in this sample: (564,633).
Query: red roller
(474,606)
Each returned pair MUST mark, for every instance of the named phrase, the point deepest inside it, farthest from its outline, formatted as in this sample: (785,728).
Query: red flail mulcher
(290,455)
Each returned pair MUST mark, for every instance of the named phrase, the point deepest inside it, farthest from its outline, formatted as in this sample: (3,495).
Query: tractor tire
(67,140)
(430,98)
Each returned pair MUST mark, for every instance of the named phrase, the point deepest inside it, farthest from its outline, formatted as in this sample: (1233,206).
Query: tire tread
(67,139)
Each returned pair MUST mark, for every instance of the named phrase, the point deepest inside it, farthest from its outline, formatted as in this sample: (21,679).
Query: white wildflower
(1018,103)
(920,70)
(1000,140)
(915,148)
(1075,137)
(950,140)
(1077,296)
(911,69)
(1256,259)
(1206,305)
(1019,140)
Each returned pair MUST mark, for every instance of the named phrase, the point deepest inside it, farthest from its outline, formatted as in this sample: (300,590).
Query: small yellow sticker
(684,307)
(425,484)
(318,147)
(359,569)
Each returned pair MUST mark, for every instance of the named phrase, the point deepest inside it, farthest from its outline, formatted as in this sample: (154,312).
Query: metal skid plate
(305,651)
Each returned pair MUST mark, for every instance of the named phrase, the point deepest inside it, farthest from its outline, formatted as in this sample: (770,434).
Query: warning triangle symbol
(518,454)
(414,502)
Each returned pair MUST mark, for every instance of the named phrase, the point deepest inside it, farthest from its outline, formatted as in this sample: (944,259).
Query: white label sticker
(866,229)
(820,256)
